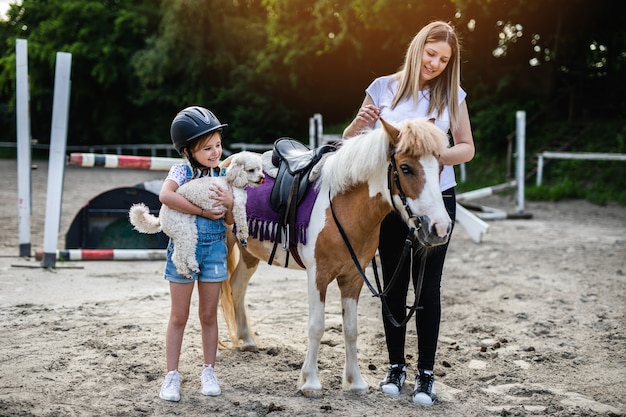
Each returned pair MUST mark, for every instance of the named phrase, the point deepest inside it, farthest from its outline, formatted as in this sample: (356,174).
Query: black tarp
(103,222)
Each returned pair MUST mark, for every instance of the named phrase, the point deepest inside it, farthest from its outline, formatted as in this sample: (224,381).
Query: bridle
(392,178)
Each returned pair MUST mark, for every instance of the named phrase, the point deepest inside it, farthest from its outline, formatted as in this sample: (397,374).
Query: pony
(367,177)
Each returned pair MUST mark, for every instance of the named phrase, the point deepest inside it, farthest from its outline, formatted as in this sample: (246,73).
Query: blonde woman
(427,85)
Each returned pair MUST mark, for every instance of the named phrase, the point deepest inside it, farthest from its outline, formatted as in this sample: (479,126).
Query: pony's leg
(309,382)
(352,379)
(239,285)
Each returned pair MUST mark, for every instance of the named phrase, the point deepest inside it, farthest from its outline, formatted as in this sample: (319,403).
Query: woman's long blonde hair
(444,88)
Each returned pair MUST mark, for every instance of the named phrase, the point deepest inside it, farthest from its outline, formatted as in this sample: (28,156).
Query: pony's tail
(144,222)
(226,294)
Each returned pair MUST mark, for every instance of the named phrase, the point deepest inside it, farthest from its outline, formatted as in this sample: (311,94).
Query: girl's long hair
(444,88)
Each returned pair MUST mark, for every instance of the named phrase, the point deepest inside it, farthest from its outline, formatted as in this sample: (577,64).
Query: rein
(392,172)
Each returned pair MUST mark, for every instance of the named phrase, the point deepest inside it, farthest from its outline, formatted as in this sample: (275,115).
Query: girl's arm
(175,201)
(463,149)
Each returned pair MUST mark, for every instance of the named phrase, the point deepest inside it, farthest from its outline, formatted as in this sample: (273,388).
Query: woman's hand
(365,118)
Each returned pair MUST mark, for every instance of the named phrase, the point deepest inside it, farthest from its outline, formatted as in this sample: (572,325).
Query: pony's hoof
(311,393)
(249,348)
(356,385)
(360,391)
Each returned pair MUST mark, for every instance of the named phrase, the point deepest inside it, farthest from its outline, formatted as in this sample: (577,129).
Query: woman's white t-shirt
(382,91)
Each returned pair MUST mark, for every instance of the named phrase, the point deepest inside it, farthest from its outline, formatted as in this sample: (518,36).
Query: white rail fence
(575,155)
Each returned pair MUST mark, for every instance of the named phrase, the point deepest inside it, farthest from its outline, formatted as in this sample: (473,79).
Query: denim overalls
(210,252)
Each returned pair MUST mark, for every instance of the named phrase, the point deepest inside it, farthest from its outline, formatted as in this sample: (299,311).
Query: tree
(265,66)
(101,35)
(205,53)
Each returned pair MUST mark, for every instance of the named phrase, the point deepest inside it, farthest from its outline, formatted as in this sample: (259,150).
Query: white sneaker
(210,384)
(392,384)
(424,389)
(170,390)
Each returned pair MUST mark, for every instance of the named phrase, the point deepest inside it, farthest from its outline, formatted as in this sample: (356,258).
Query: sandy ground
(533,324)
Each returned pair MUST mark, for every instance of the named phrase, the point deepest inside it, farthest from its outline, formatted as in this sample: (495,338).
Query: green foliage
(205,53)
(101,35)
(266,66)
(596,181)
(484,170)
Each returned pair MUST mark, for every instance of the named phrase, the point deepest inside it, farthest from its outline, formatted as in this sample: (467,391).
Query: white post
(539,169)
(24,161)
(463,172)
(521,145)
(319,131)
(312,132)
(315,131)
(58,139)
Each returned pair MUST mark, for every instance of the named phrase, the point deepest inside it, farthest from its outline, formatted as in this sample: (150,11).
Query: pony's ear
(431,120)
(391,130)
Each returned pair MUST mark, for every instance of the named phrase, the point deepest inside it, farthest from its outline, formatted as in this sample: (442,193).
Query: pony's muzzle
(431,233)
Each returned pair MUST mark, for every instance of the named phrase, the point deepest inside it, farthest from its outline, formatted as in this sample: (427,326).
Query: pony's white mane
(356,160)
(366,155)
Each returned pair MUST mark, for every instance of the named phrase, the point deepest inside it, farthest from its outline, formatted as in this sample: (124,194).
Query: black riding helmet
(192,123)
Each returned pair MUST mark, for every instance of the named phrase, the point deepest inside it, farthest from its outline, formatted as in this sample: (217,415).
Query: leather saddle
(294,161)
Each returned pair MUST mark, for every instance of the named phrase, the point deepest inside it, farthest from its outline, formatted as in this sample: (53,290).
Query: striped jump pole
(107,254)
(154,163)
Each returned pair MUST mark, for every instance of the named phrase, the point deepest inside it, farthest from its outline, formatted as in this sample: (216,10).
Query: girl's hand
(214,214)
(223,197)
(224,203)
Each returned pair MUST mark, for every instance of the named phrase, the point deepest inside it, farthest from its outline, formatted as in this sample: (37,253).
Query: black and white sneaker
(392,384)
(424,388)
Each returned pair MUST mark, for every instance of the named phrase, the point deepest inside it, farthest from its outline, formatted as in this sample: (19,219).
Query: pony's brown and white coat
(355,179)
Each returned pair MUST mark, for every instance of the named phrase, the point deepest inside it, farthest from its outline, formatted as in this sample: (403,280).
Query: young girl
(427,85)
(196,135)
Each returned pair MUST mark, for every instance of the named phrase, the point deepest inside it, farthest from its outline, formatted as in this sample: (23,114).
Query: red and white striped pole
(107,254)
(154,163)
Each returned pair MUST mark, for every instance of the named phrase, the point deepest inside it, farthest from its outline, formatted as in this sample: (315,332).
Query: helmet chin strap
(198,168)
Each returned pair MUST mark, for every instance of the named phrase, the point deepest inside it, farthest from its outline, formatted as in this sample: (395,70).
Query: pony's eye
(406,169)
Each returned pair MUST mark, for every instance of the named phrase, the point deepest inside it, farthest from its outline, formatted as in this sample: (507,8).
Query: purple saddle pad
(263,220)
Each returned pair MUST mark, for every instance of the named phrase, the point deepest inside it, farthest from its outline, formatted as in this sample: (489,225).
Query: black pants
(393,233)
